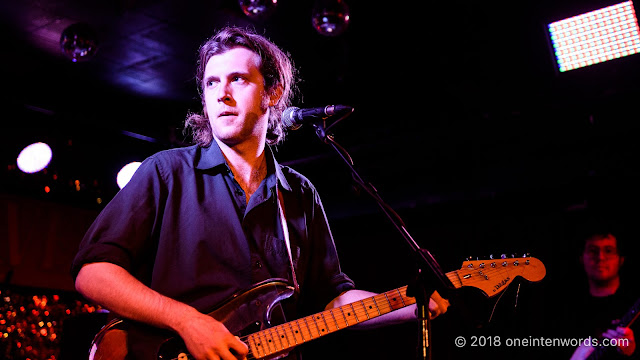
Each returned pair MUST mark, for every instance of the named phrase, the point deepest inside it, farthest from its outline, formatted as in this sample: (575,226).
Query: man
(607,300)
(196,225)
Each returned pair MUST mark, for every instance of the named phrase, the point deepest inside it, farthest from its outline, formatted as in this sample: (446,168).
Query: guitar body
(244,313)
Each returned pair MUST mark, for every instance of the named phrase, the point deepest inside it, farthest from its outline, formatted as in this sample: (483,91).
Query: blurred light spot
(34,157)
(125,174)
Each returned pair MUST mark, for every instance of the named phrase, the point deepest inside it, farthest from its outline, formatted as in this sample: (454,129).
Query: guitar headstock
(492,276)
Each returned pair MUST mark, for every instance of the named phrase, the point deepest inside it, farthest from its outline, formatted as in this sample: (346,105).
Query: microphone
(294,117)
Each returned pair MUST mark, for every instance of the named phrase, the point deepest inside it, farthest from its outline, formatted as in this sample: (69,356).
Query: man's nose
(224,92)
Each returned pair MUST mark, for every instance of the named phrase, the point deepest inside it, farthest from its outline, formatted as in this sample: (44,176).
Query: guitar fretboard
(282,338)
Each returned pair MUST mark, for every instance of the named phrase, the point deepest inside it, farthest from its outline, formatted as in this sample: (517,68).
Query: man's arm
(437,306)
(626,344)
(115,289)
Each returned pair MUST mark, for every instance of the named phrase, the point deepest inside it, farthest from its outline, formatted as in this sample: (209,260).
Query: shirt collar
(282,180)
(211,157)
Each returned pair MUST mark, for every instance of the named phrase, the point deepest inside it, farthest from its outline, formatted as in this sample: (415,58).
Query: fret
(264,343)
(321,329)
(282,336)
(308,327)
(301,331)
(343,315)
(394,303)
(255,348)
(351,313)
(401,297)
(354,312)
(288,332)
(364,306)
(293,333)
(375,303)
(368,307)
(388,302)
(326,325)
(334,319)
(311,330)
(275,339)
(270,342)
(315,322)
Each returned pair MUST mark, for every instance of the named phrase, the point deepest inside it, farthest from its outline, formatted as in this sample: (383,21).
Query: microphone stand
(430,276)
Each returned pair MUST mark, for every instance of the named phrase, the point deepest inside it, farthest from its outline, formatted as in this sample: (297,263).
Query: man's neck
(248,164)
(601,289)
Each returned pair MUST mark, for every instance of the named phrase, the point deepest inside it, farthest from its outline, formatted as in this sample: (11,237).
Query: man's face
(234,96)
(601,259)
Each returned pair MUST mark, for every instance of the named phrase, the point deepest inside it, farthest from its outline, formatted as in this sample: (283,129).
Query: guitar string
(362,311)
(359,312)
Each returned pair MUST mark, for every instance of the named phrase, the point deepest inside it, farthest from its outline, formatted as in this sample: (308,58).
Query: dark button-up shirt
(183,227)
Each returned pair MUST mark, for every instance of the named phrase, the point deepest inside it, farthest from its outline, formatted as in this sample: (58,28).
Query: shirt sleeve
(123,231)
(325,277)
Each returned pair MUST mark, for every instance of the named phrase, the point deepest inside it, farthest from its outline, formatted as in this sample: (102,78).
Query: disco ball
(330,17)
(258,9)
(79,42)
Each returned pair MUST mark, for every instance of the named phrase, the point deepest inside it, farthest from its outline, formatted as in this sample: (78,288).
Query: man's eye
(211,83)
(238,79)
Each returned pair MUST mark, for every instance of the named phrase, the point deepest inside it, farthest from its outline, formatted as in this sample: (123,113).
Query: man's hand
(437,305)
(625,347)
(208,339)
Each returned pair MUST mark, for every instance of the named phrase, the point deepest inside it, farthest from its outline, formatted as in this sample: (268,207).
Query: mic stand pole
(429,274)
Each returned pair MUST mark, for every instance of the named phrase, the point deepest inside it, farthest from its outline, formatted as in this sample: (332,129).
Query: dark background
(461,122)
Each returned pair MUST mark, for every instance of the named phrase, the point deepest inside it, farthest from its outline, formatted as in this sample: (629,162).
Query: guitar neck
(282,338)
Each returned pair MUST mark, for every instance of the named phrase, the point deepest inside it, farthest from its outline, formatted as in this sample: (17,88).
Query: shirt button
(257,264)
(239,192)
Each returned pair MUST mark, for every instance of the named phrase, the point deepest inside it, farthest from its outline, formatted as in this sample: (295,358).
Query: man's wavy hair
(275,66)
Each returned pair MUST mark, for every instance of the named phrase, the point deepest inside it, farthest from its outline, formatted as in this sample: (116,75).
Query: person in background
(597,311)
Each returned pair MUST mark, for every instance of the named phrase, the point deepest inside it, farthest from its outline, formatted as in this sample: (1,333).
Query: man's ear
(275,96)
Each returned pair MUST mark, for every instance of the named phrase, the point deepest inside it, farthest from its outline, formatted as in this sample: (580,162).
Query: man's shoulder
(296,179)
(175,156)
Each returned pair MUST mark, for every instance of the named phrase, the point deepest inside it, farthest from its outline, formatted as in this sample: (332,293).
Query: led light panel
(594,37)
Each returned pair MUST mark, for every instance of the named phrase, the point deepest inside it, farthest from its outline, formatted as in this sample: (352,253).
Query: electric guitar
(629,317)
(247,315)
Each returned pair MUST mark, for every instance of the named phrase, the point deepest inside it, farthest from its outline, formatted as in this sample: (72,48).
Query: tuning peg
(491,257)
(503,256)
